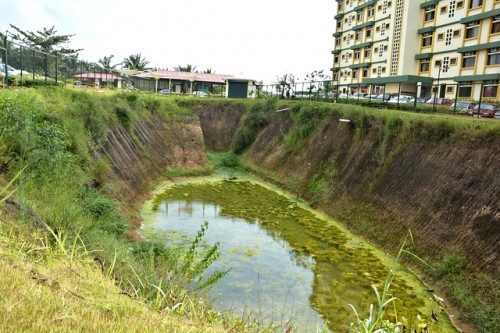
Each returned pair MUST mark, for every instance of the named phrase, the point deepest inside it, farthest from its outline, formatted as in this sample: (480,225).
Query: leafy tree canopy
(187,68)
(135,62)
(105,62)
(45,40)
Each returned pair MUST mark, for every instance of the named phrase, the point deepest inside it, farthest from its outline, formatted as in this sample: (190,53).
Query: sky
(258,39)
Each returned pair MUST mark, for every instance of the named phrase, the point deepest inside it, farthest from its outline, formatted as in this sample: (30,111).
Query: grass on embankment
(46,290)
(61,224)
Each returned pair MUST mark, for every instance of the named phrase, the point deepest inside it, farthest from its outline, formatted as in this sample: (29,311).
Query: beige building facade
(450,48)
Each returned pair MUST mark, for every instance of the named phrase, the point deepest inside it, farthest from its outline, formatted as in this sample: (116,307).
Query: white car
(12,70)
(402,99)
(200,93)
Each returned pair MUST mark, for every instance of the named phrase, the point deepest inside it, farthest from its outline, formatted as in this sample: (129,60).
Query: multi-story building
(420,47)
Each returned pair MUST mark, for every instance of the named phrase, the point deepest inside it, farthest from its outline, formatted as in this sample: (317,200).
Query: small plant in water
(377,321)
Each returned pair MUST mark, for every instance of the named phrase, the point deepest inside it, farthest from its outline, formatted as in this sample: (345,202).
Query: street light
(441,67)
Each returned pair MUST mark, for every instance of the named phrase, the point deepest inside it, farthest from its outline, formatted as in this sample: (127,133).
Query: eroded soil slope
(447,191)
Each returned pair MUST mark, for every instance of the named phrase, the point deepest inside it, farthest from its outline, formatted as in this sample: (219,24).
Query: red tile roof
(108,76)
(185,76)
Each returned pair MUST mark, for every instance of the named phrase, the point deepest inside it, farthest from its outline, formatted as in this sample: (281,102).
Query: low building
(99,79)
(180,82)
(241,88)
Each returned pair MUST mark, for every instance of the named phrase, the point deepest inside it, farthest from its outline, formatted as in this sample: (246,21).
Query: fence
(416,97)
(24,66)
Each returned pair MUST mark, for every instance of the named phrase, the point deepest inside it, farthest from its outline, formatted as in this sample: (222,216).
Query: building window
(456,33)
(490,89)
(340,7)
(460,4)
(357,35)
(369,32)
(427,39)
(494,56)
(444,10)
(336,59)
(448,36)
(453,61)
(472,29)
(450,89)
(469,59)
(356,54)
(359,16)
(465,89)
(355,74)
(339,24)
(475,3)
(425,64)
(371,10)
(453,5)
(366,72)
(337,42)
(440,37)
(495,25)
(368,52)
(429,13)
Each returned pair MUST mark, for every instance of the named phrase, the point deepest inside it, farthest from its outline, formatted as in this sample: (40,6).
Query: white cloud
(261,39)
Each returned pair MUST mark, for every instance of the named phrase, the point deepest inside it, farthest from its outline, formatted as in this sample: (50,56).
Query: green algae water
(286,263)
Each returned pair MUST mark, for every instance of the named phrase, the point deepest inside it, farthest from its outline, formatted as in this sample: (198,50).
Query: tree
(105,62)
(187,68)
(46,40)
(285,83)
(135,62)
(208,71)
(313,79)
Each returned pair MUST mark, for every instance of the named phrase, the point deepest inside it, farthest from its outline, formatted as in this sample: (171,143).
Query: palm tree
(187,68)
(105,62)
(209,71)
(135,62)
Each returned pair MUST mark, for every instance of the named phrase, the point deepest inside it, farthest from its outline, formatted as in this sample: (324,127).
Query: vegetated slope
(405,171)
(83,161)
(382,172)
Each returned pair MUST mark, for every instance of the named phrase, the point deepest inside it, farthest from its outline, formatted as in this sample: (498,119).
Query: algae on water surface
(341,267)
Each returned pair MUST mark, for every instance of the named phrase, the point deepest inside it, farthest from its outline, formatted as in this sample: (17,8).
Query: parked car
(421,100)
(438,102)
(462,107)
(344,95)
(358,95)
(11,70)
(487,110)
(302,95)
(165,92)
(200,93)
(402,99)
(384,97)
(372,96)
(497,115)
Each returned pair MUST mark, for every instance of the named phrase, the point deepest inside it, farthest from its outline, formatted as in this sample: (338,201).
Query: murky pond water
(286,262)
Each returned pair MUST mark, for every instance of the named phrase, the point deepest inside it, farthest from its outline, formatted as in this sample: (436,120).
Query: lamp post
(441,67)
